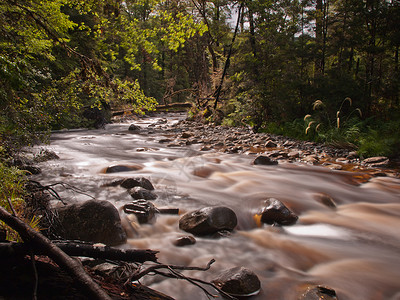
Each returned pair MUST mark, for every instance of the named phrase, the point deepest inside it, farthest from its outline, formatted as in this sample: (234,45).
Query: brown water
(354,249)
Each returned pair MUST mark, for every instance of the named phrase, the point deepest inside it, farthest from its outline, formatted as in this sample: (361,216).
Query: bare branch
(173,273)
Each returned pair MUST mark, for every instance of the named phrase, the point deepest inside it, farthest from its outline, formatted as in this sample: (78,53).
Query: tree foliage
(62,60)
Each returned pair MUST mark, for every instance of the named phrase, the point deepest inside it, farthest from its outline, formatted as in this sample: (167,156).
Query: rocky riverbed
(278,149)
(293,214)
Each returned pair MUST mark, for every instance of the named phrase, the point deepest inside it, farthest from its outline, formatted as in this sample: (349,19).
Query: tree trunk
(217,92)
(319,33)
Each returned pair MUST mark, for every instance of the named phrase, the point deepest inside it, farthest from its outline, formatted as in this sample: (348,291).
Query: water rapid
(353,248)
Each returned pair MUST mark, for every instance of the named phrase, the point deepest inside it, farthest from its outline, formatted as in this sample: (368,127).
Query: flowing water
(354,249)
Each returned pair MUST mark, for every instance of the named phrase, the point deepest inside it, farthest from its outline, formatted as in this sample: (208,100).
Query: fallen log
(86,250)
(38,241)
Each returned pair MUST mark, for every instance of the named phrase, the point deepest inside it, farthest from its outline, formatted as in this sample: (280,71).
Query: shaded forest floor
(18,278)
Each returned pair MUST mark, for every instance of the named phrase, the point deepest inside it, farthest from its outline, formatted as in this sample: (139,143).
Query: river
(353,248)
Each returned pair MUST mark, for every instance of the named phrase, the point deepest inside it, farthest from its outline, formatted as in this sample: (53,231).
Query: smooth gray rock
(139,192)
(275,212)
(208,220)
(129,183)
(185,241)
(238,281)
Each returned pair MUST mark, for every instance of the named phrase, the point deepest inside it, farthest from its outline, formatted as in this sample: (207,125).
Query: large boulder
(208,220)
(91,221)
(275,212)
(239,282)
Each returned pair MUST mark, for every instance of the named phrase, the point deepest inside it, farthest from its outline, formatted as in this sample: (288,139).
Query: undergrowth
(12,193)
(344,127)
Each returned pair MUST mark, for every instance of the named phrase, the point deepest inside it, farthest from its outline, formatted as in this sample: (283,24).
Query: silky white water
(354,249)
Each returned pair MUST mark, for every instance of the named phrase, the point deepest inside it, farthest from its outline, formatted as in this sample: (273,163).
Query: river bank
(242,140)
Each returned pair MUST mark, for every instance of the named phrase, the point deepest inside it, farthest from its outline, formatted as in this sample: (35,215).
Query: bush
(12,191)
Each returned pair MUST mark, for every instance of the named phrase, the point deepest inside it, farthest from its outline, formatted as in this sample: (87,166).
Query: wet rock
(319,292)
(139,192)
(376,162)
(90,221)
(311,159)
(134,128)
(275,212)
(144,210)
(162,121)
(270,144)
(186,135)
(208,220)
(45,155)
(238,281)
(352,155)
(334,166)
(205,148)
(185,241)
(264,160)
(122,168)
(379,174)
(31,170)
(173,145)
(294,154)
(342,160)
(325,200)
(288,144)
(163,141)
(129,183)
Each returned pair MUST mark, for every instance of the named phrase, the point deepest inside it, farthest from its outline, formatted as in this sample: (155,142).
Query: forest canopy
(325,70)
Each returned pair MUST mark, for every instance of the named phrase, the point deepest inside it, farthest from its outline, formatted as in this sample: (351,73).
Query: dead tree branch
(37,241)
(86,250)
(173,273)
(52,192)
